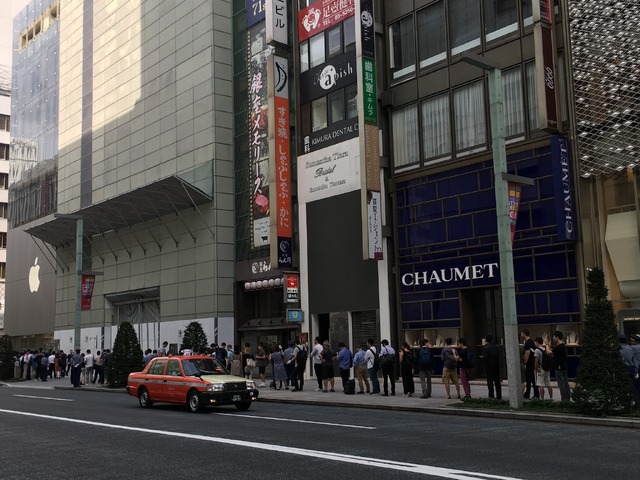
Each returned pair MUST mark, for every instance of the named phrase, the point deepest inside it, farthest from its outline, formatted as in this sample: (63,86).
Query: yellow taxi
(193,381)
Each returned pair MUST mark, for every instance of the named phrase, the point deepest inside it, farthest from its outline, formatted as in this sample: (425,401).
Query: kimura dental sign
(450,275)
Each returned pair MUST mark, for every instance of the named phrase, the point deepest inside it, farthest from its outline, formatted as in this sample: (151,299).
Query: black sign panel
(338,72)
(336,133)
(367,28)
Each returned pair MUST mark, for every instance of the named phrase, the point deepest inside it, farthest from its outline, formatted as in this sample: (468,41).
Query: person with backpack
(450,361)
(543,364)
(529,368)
(407,360)
(299,359)
(423,366)
(466,363)
(387,363)
(373,365)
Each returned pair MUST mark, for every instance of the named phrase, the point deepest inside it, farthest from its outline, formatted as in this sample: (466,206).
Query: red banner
(321,15)
(514,204)
(86,290)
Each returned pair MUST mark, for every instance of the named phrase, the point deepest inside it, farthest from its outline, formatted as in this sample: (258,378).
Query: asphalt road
(85,435)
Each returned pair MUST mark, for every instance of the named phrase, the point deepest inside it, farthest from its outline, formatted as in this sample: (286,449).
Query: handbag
(251,362)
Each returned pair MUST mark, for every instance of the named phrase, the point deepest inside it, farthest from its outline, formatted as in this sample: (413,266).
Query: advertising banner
(337,73)
(258,137)
(367,28)
(515,190)
(255,11)
(331,171)
(369,97)
(276,20)
(374,224)
(545,51)
(86,290)
(322,15)
(291,288)
(563,188)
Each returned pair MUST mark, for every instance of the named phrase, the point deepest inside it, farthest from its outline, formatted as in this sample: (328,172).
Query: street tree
(126,356)
(603,386)
(194,338)
(6,358)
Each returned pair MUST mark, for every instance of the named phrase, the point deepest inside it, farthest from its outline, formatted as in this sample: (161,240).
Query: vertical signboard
(86,290)
(280,164)
(563,188)
(258,136)
(255,11)
(276,20)
(515,191)
(369,141)
(291,294)
(546,81)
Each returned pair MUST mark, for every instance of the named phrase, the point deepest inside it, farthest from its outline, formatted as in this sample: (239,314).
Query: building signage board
(563,188)
(545,54)
(86,289)
(374,224)
(280,164)
(255,11)
(515,191)
(322,15)
(367,27)
(337,73)
(276,20)
(372,157)
(337,133)
(258,137)
(369,97)
(295,315)
(451,275)
(291,291)
(331,171)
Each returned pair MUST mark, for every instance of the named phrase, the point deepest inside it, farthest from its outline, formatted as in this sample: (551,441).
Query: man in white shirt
(88,367)
(370,357)
(317,361)
(387,364)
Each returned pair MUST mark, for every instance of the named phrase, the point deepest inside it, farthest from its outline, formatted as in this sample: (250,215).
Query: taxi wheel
(193,402)
(143,398)
(243,406)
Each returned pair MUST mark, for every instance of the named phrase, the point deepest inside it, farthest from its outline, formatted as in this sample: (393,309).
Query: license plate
(235,398)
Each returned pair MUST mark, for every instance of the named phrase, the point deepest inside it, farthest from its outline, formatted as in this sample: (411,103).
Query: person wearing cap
(626,352)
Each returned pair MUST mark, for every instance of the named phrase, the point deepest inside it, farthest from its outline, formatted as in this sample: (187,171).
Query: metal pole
(510,316)
(76,333)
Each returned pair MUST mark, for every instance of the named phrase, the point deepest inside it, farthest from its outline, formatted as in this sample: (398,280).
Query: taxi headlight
(251,385)
(215,387)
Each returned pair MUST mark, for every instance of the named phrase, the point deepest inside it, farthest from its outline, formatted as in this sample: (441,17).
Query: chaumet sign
(454,274)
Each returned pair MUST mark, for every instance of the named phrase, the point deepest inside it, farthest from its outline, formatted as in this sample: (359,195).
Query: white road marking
(296,421)
(286,450)
(45,398)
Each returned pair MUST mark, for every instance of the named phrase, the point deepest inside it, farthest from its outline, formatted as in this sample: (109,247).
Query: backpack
(424,358)
(376,361)
(302,356)
(449,359)
(408,358)
(471,359)
(547,362)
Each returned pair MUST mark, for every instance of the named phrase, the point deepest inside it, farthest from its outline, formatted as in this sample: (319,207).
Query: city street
(103,435)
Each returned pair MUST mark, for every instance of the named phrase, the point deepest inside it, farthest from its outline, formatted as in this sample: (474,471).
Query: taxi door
(175,389)
(155,381)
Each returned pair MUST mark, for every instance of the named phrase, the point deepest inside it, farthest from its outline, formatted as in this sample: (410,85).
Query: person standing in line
(407,360)
(345,360)
(387,365)
(543,377)
(262,360)
(236,362)
(288,365)
(491,357)
(463,354)
(106,356)
(424,367)
(299,358)
(51,365)
(360,369)
(626,353)
(97,367)
(370,357)
(76,366)
(26,360)
(88,367)
(450,360)
(317,361)
(328,357)
(635,347)
(559,354)
(71,352)
(63,363)
(529,364)
(279,372)
(163,351)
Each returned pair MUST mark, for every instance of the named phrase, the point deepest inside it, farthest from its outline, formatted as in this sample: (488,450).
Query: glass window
(316,49)
(351,94)
(464,21)
(513,102)
(432,40)
(404,124)
(4,151)
(532,96)
(349,27)
(4,122)
(334,41)
(158,367)
(336,106)
(436,130)
(527,12)
(560,88)
(304,56)
(500,18)
(319,114)
(469,114)
(173,368)
(402,51)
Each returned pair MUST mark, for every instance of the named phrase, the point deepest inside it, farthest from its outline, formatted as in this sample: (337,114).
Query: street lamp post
(501,180)
(78,303)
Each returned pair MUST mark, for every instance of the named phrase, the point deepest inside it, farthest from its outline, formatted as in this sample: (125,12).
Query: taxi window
(202,366)
(173,368)
(157,368)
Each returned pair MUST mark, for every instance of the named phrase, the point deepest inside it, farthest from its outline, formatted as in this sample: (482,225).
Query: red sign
(86,290)
(515,189)
(291,286)
(283,172)
(323,14)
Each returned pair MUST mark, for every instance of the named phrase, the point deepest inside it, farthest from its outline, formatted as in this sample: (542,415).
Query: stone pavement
(437,404)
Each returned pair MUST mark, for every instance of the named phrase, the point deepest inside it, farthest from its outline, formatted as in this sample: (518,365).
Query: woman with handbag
(248,361)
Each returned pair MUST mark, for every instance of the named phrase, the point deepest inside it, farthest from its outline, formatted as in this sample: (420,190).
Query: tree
(603,386)
(194,338)
(126,356)
(6,358)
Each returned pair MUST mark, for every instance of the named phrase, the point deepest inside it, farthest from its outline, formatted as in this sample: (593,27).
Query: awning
(134,296)
(169,195)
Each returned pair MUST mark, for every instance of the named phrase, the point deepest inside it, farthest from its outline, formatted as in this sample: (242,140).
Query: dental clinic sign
(450,275)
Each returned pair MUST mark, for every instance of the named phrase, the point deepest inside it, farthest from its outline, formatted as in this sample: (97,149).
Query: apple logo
(34,276)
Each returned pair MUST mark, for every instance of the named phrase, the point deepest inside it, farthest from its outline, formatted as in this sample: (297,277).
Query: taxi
(193,381)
